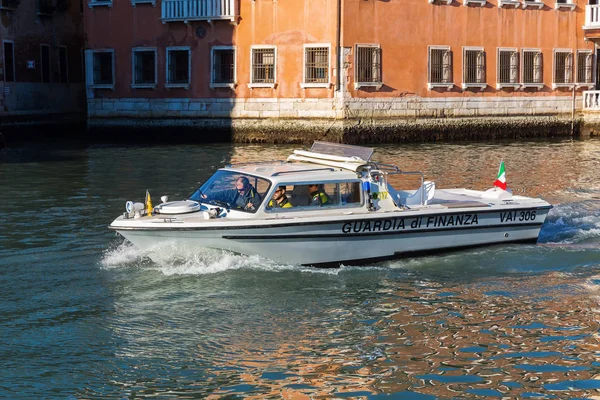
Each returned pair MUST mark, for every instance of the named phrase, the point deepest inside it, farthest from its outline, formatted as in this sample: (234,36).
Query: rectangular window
(103,64)
(8,4)
(508,67)
(585,61)
(45,62)
(63,71)
(45,7)
(563,67)
(316,64)
(9,62)
(178,66)
(474,67)
(263,65)
(368,65)
(440,67)
(144,67)
(223,66)
(532,68)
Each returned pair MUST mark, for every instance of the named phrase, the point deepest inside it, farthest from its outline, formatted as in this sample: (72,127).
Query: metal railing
(591,100)
(187,10)
(592,16)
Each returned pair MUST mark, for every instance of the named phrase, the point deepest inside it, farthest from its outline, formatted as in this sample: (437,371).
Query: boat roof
(324,161)
(294,171)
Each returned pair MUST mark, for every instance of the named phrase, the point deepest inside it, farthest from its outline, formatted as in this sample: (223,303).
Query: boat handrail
(255,163)
(390,168)
(302,170)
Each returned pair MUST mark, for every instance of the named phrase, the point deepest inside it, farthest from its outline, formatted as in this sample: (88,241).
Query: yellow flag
(148,204)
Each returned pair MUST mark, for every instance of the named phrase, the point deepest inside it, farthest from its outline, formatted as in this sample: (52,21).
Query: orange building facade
(337,60)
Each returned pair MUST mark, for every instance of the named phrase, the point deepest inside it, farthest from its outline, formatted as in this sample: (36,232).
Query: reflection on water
(86,315)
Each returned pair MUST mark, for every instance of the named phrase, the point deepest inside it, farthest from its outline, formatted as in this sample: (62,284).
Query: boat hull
(350,239)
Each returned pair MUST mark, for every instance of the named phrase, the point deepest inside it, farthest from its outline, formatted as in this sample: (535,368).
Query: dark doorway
(9,62)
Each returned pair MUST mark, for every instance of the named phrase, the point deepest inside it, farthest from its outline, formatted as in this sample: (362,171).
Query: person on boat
(317,195)
(244,195)
(279,199)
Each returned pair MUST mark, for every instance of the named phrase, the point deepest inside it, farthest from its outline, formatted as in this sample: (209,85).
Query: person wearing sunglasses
(279,199)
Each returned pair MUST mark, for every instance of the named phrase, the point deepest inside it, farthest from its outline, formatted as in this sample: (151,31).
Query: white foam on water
(572,223)
(171,259)
(124,254)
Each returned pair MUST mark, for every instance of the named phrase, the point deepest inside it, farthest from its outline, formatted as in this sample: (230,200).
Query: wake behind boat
(331,205)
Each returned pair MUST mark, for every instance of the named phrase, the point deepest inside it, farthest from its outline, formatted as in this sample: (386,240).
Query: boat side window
(320,194)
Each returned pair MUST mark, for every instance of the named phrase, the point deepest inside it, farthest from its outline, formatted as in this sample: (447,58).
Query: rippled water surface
(83,314)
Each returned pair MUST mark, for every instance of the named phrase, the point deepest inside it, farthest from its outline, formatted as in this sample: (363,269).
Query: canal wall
(349,120)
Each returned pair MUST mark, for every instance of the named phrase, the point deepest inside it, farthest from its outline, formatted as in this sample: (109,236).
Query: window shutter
(537,68)
(480,67)
(588,67)
(569,68)
(514,67)
(447,67)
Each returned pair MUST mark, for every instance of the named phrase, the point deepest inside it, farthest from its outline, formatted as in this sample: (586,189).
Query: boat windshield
(233,190)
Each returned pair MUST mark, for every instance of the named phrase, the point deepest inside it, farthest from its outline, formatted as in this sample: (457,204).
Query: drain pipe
(338,45)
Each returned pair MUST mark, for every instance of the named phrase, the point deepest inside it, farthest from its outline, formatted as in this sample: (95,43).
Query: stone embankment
(351,131)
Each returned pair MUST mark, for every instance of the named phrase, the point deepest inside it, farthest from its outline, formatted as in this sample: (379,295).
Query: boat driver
(244,195)
(279,199)
(317,196)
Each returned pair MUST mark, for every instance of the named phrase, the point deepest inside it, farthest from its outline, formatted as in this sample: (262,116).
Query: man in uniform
(279,199)
(317,195)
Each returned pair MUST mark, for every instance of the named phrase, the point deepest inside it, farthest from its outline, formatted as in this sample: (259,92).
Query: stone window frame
(134,85)
(565,5)
(214,84)
(590,56)
(167,70)
(480,3)
(376,48)
(516,56)
(100,3)
(569,60)
(539,4)
(42,45)
(66,64)
(305,84)
(535,85)
(253,84)
(136,2)
(89,62)
(479,68)
(14,64)
(448,54)
(509,3)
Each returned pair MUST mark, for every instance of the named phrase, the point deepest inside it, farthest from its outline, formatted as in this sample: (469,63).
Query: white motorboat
(331,205)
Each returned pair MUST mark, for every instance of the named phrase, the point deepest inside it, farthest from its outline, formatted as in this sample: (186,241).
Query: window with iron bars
(474,66)
(584,67)
(46,6)
(563,67)
(368,64)
(103,68)
(224,66)
(144,67)
(508,67)
(9,62)
(316,67)
(532,67)
(263,65)
(440,65)
(45,63)
(63,70)
(178,67)
(9,4)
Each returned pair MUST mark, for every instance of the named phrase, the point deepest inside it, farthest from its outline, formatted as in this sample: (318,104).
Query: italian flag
(501,179)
